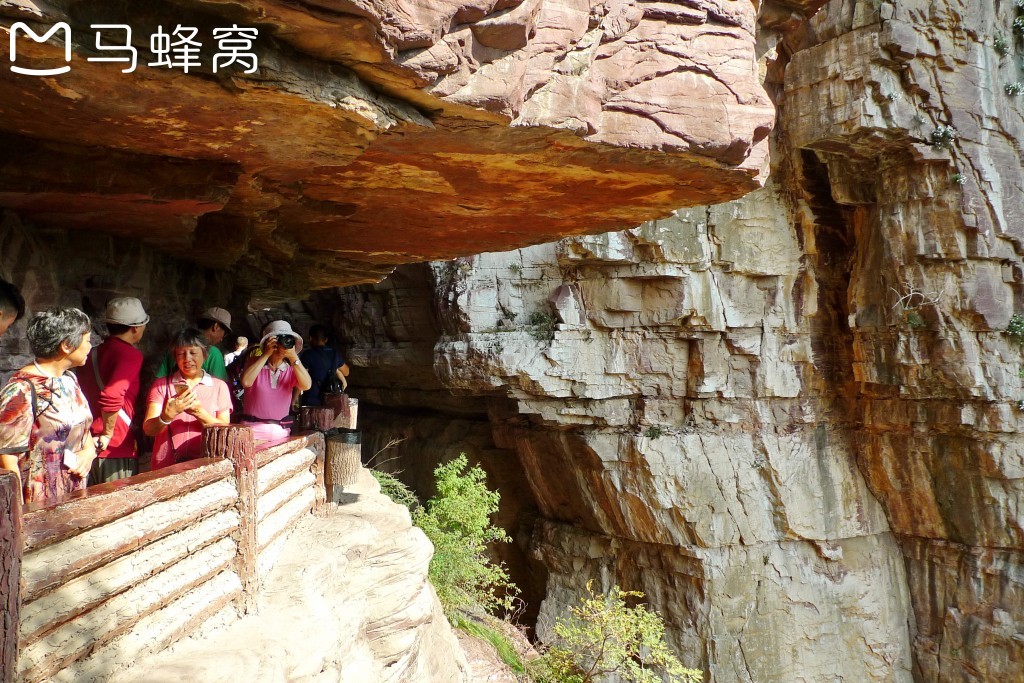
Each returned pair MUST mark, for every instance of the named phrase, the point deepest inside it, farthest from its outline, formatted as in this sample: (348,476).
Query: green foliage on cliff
(394,489)
(1016,328)
(458,522)
(604,636)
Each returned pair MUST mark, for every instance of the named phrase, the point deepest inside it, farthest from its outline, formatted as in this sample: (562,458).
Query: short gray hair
(190,336)
(48,329)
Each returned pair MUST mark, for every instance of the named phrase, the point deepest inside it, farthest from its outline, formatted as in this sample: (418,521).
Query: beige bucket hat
(126,310)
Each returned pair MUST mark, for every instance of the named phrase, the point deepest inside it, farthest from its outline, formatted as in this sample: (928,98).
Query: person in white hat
(269,378)
(110,382)
(215,323)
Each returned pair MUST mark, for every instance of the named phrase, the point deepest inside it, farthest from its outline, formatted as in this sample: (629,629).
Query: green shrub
(603,636)
(943,136)
(542,325)
(394,489)
(654,432)
(458,522)
(1001,45)
(1016,328)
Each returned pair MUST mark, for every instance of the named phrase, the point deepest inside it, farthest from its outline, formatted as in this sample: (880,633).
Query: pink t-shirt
(183,439)
(270,398)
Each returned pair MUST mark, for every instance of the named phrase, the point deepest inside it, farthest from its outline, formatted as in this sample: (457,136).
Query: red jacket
(119,364)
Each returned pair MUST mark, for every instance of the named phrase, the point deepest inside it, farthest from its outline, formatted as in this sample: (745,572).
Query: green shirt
(214,364)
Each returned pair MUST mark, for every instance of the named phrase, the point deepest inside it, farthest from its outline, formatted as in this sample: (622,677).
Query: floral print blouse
(60,429)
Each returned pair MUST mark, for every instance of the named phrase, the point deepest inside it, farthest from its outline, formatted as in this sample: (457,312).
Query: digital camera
(285,341)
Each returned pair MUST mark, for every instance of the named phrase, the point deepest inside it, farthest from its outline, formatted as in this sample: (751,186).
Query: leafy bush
(542,325)
(394,489)
(458,522)
(1016,328)
(604,636)
(943,136)
(654,432)
(1001,45)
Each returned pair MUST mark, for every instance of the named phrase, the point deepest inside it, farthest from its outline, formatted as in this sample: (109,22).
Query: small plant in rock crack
(1015,329)
(1001,45)
(654,432)
(914,320)
(910,301)
(1014,89)
(542,325)
(515,268)
(893,96)
(943,136)
(958,178)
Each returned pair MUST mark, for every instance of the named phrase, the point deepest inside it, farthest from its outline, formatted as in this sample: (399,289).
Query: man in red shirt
(110,381)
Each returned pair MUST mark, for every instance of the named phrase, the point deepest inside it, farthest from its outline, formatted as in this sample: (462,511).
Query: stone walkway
(348,600)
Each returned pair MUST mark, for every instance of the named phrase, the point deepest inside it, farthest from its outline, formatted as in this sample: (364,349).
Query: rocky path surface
(348,600)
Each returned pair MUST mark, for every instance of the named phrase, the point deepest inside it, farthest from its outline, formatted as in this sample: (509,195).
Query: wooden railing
(122,570)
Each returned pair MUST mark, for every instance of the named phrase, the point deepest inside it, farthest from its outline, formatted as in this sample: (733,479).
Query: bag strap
(34,399)
(95,363)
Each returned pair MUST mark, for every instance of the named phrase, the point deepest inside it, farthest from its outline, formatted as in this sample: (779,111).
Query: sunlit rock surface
(348,600)
(373,134)
(792,419)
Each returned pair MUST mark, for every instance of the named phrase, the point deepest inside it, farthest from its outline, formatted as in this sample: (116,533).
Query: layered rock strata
(373,134)
(792,419)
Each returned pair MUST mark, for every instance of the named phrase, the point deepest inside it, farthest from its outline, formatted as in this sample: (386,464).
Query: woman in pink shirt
(269,380)
(181,404)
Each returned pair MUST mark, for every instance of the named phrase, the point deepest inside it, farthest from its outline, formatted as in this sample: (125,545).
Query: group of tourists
(60,430)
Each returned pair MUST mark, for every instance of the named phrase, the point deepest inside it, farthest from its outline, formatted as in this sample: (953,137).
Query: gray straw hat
(218,315)
(126,310)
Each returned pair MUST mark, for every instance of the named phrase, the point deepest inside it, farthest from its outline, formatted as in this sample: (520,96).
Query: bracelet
(161,418)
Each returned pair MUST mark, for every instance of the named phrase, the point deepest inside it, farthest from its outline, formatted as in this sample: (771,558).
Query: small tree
(458,522)
(603,636)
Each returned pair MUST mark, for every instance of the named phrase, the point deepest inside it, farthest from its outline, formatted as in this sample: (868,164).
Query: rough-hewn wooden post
(10,573)
(342,463)
(319,418)
(351,413)
(236,444)
(336,402)
(319,446)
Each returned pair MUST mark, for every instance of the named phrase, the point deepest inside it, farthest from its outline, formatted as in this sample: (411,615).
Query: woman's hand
(184,402)
(84,458)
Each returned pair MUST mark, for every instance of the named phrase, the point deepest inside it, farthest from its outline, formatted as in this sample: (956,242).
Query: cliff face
(790,419)
(377,133)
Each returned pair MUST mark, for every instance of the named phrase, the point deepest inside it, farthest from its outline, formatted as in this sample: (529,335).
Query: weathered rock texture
(380,133)
(791,420)
(86,269)
(348,600)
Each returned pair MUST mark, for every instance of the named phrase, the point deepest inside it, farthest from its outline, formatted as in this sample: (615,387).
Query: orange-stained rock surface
(374,134)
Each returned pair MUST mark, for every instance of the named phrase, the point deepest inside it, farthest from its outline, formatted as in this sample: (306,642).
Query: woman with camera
(181,404)
(270,376)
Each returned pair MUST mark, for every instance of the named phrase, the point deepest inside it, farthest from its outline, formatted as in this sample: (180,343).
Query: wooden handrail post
(236,443)
(10,573)
(319,418)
